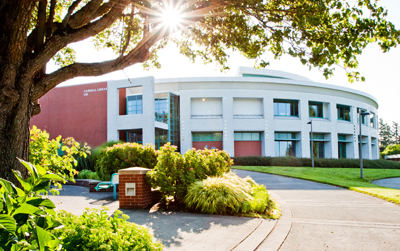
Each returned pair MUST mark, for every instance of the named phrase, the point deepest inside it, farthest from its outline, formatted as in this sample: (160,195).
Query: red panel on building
(247,148)
(201,144)
(78,111)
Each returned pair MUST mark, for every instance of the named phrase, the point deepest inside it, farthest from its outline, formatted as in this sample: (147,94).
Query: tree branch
(50,19)
(69,13)
(138,55)
(85,14)
(62,39)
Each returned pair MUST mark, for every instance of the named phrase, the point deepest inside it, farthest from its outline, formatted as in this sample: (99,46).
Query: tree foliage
(385,135)
(320,34)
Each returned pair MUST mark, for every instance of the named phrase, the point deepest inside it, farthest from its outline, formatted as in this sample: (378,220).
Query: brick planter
(134,190)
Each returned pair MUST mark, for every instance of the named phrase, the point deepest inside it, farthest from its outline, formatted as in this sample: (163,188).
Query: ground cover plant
(344,177)
(124,155)
(230,194)
(95,230)
(305,162)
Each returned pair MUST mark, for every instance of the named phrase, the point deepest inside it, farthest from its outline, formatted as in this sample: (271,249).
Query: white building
(258,112)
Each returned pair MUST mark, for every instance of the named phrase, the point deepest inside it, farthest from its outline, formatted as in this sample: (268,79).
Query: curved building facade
(258,112)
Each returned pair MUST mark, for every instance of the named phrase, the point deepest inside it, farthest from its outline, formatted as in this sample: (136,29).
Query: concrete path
(315,217)
(324,217)
(391,182)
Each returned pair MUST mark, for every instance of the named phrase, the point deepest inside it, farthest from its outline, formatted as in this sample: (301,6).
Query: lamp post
(312,145)
(360,144)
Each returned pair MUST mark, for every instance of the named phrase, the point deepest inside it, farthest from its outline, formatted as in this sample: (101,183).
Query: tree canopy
(320,33)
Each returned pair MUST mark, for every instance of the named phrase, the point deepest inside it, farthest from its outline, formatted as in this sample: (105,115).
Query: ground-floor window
(285,148)
(247,144)
(318,149)
(342,150)
(209,140)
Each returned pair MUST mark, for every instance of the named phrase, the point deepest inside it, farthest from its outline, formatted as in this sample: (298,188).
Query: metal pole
(360,148)
(312,145)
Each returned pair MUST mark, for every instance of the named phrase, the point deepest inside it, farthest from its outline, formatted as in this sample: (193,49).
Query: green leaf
(25,184)
(27,209)
(51,176)
(31,168)
(8,223)
(40,202)
(43,238)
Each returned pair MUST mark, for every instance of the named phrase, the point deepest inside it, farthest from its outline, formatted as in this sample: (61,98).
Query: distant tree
(395,133)
(385,135)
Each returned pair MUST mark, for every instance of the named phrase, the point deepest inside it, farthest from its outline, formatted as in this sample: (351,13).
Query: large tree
(321,33)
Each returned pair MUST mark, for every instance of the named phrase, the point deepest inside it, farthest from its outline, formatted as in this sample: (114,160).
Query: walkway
(390,182)
(324,217)
(315,217)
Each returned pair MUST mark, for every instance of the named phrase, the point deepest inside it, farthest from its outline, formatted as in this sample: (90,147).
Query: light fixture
(203,99)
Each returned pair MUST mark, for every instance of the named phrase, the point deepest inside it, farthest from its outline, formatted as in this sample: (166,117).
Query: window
(134,104)
(285,148)
(161,107)
(318,149)
(364,119)
(207,136)
(372,120)
(247,136)
(319,140)
(316,109)
(343,112)
(285,144)
(342,145)
(286,108)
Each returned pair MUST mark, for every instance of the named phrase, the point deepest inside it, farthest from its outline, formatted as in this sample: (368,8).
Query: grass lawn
(344,177)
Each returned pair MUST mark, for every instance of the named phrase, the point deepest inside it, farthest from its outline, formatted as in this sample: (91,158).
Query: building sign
(86,92)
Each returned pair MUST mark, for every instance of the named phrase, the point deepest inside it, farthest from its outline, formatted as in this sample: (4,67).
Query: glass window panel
(282,148)
(139,102)
(139,97)
(246,136)
(276,109)
(255,136)
(237,136)
(277,148)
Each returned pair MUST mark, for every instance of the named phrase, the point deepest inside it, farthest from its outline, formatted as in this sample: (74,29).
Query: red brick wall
(247,148)
(78,111)
(201,144)
(143,196)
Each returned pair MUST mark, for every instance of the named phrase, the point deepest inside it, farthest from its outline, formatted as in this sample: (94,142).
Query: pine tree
(385,134)
(395,133)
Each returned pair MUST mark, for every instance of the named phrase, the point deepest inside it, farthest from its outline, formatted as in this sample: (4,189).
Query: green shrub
(208,162)
(94,231)
(125,155)
(45,152)
(328,163)
(171,174)
(26,217)
(174,173)
(87,174)
(89,162)
(261,201)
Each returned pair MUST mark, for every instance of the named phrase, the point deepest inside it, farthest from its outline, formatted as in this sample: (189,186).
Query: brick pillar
(134,190)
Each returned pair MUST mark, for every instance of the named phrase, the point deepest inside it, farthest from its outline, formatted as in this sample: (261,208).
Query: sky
(381,70)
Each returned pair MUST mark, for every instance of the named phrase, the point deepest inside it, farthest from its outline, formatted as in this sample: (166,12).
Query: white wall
(248,106)
(206,106)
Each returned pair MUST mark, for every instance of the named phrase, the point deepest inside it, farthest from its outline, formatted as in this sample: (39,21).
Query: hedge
(301,162)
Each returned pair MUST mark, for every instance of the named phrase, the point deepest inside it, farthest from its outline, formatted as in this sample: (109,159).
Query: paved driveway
(325,217)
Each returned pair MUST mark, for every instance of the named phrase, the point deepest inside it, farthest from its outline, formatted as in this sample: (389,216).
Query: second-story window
(316,109)
(286,108)
(134,104)
(343,112)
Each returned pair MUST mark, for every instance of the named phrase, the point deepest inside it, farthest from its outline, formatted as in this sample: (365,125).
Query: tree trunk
(14,135)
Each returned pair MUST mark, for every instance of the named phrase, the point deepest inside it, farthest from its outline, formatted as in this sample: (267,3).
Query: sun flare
(171,18)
